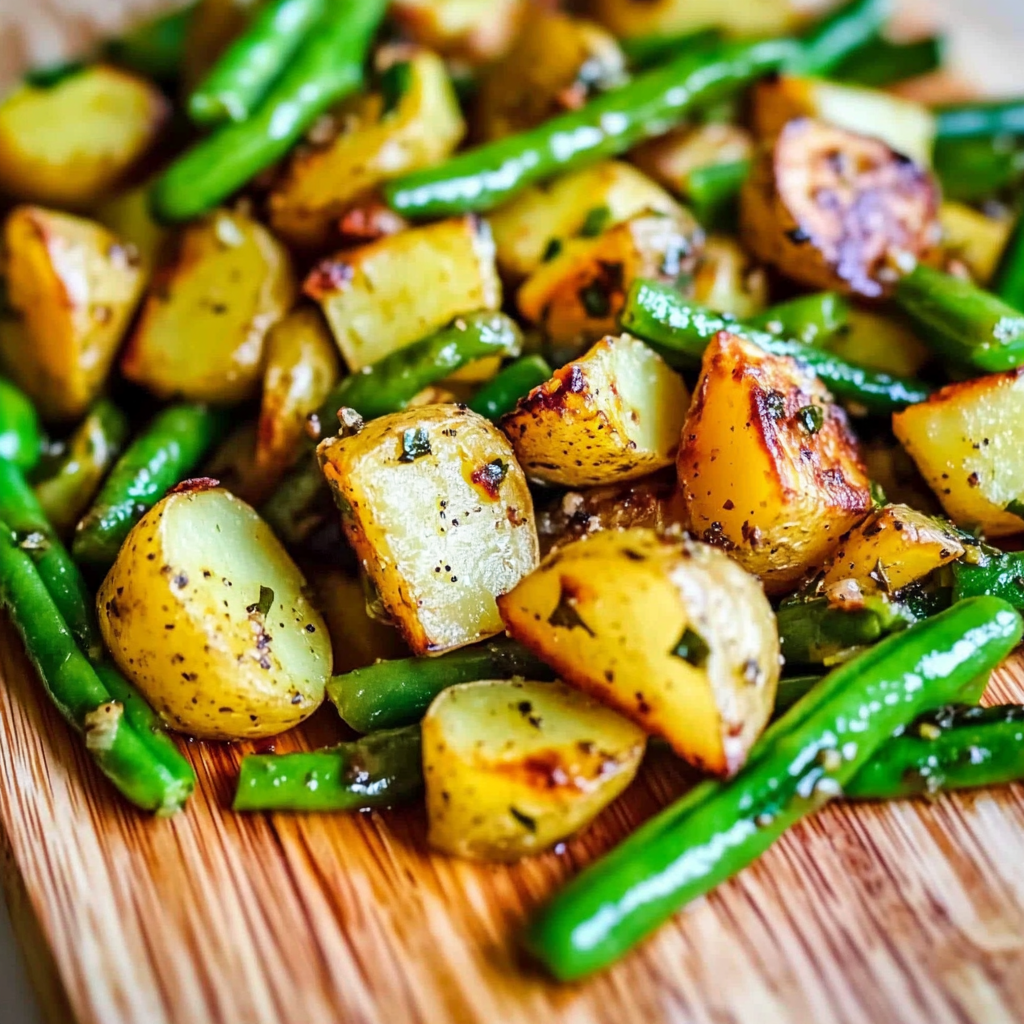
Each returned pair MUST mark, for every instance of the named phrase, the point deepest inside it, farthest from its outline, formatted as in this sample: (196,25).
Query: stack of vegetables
(308,324)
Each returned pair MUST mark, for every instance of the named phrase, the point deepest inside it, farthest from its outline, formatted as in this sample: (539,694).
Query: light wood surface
(911,913)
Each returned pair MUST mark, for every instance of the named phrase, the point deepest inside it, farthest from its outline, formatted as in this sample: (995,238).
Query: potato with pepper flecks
(206,613)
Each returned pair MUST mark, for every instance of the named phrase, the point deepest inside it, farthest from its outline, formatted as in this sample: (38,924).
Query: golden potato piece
(832,209)
(633,18)
(206,613)
(69,144)
(964,442)
(439,514)
(383,296)
(202,329)
(881,341)
(72,288)
(512,768)
(768,466)
(671,633)
(476,31)
(612,415)
(728,280)
(974,239)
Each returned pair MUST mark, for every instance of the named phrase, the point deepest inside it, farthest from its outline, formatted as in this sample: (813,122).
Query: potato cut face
(534,226)
(631,18)
(475,31)
(438,511)
(612,415)
(964,442)
(768,466)
(729,281)
(894,547)
(202,329)
(72,287)
(671,633)
(975,239)
(512,768)
(383,296)
(207,614)
(833,209)
(69,144)
(323,181)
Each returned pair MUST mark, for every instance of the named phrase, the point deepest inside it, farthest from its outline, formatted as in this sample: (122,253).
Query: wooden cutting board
(910,913)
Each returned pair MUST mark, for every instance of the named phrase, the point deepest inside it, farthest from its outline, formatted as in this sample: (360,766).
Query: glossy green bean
(973,170)
(21,440)
(646,52)
(983,120)
(500,394)
(882,62)
(838,35)
(154,48)
(810,319)
(1009,279)
(997,575)
(714,190)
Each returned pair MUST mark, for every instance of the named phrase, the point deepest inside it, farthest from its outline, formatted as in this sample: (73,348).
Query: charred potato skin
(832,209)
(754,479)
(72,288)
(610,613)
(463,533)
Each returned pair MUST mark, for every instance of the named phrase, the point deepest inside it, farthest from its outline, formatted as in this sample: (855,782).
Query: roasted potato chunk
(894,547)
(964,442)
(832,209)
(672,633)
(907,127)
(512,768)
(612,415)
(576,297)
(202,329)
(535,226)
(556,64)
(670,159)
(127,214)
(206,613)
(385,295)
(633,18)
(69,144)
(728,280)
(380,137)
(477,31)
(974,239)
(72,287)
(438,511)
(768,466)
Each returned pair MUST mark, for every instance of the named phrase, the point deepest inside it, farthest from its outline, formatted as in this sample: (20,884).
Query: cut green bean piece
(883,62)
(21,440)
(810,319)
(980,120)
(838,35)
(501,394)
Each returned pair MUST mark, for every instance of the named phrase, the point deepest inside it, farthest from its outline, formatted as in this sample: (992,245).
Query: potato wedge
(832,209)
(206,613)
(556,64)
(632,18)
(202,329)
(380,137)
(439,514)
(768,466)
(974,239)
(383,296)
(301,368)
(612,415)
(72,288)
(535,226)
(576,297)
(71,143)
(895,546)
(670,159)
(728,280)
(904,125)
(475,31)
(672,633)
(512,768)
(964,442)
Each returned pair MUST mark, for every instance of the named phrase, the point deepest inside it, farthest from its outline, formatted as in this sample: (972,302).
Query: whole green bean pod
(66,492)
(680,330)
(835,37)
(163,455)
(804,760)
(500,394)
(983,120)
(154,48)
(810,319)
(77,691)
(380,770)
(883,62)
(962,322)
(328,67)
(1009,279)
(398,692)
(245,71)
(484,177)
(20,438)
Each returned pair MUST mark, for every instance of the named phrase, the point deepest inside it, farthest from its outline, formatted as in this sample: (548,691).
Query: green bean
(66,492)
(50,75)
(792,689)
(77,691)
(984,120)
(883,62)
(714,190)
(967,325)
(838,35)
(484,177)
(998,575)
(500,395)
(973,170)
(154,48)
(242,75)
(162,456)
(648,51)
(1009,279)
(803,760)
(380,770)
(328,67)
(809,319)
(21,440)
(398,692)
(680,330)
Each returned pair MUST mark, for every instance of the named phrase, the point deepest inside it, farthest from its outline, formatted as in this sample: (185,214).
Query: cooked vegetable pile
(527,383)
